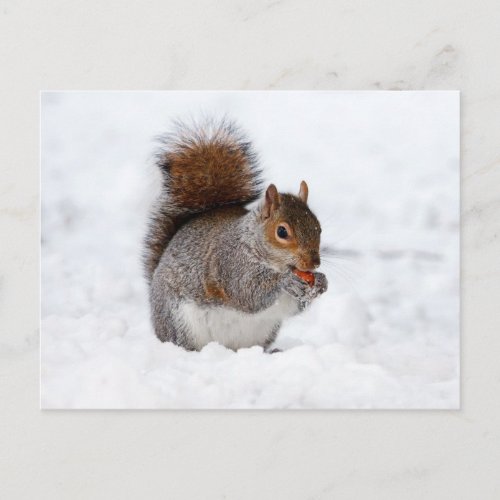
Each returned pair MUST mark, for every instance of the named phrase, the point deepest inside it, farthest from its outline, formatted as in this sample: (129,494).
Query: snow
(383,175)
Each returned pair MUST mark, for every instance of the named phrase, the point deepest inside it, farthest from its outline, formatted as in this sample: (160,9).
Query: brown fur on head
(292,231)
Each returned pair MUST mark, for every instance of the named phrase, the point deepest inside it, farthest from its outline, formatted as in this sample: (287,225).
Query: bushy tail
(204,166)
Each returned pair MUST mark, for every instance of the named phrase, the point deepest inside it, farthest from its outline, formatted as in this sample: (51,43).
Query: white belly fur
(231,328)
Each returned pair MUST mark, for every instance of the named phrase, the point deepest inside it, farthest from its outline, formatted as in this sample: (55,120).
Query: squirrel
(217,270)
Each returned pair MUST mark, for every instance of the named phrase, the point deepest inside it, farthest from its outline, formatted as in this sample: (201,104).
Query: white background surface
(383,175)
(288,44)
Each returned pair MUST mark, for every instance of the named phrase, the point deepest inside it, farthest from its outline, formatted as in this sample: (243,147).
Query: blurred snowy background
(383,175)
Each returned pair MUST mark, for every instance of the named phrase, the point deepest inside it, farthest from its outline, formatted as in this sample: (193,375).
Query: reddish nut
(306,276)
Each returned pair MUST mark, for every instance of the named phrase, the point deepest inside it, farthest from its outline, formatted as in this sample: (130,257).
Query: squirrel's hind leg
(167,322)
(270,340)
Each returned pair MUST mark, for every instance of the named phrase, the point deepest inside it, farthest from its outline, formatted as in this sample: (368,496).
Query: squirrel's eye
(282,232)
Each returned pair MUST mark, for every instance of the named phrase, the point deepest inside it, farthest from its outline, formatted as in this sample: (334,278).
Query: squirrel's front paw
(295,286)
(320,283)
(302,291)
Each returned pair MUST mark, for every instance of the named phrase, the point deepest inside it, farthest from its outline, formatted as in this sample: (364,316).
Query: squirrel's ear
(304,191)
(271,201)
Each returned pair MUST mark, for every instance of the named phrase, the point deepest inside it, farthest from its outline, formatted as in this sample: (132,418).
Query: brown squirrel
(216,270)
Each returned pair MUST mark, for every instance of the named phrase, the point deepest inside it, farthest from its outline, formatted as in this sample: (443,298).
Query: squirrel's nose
(315,260)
